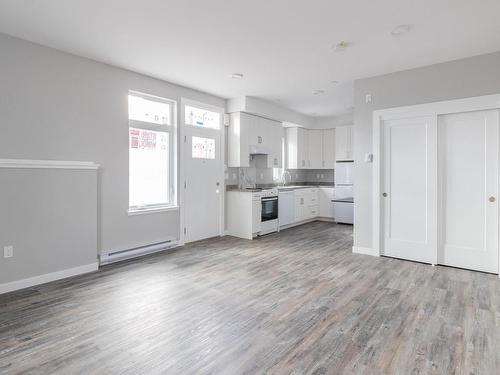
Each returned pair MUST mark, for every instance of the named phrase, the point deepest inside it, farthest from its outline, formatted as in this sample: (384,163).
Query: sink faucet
(283,177)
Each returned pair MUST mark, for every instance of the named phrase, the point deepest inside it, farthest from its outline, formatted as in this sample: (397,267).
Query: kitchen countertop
(281,187)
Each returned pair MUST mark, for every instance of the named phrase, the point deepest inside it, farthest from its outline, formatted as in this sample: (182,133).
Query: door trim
(479,103)
(182,163)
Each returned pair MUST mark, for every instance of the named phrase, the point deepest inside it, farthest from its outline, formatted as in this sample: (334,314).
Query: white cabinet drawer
(313,211)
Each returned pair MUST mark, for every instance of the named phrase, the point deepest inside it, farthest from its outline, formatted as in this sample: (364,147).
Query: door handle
(492,199)
(384,195)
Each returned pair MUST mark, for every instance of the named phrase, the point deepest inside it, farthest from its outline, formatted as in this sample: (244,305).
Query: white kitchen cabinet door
(409,192)
(254,134)
(303,149)
(291,148)
(344,138)
(275,144)
(301,205)
(468,159)
(328,149)
(238,138)
(315,147)
(296,148)
(326,205)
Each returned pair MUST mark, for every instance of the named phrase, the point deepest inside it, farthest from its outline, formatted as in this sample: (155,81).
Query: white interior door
(203,183)
(410,189)
(468,144)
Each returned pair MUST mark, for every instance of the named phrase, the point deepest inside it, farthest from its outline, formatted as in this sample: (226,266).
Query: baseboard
(365,251)
(47,278)
(326,219)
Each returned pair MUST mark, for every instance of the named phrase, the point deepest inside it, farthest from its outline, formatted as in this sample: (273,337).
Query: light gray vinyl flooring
(297,302)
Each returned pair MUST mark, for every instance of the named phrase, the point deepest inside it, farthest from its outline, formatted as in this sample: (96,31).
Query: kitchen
(281,175)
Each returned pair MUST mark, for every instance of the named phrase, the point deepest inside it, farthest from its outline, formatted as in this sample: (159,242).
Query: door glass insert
(201,117)
(203,148)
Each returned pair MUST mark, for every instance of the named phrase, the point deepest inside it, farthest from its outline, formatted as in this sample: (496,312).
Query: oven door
(269,208)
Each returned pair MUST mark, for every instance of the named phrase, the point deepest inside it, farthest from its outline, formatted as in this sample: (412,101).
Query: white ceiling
(283,47)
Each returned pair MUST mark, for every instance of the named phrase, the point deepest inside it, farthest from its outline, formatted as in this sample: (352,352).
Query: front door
(468,166)
(203,173)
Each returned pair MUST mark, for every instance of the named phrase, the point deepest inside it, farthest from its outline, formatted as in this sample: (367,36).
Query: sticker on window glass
(141,109)
(203,148)
(201,117)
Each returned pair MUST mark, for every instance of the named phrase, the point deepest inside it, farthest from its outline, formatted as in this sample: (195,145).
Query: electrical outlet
(317,175)
(322,175)
(8,251)
(262,176)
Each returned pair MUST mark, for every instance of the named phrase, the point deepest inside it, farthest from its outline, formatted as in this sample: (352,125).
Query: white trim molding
(365,251)
(47,278)
(47,164)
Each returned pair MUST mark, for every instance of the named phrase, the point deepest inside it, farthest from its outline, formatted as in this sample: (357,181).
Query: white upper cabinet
(250,135)
(310,149)
(328,149)
(344,139)
(297,148)
(315,147)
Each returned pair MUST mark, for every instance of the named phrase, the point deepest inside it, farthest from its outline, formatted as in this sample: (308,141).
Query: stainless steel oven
(269,208)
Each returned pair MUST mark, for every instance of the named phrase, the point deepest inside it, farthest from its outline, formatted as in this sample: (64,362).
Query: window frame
(171,129)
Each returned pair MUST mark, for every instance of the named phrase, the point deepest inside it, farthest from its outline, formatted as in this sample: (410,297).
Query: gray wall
(50,217)
(54,105)
(464,78)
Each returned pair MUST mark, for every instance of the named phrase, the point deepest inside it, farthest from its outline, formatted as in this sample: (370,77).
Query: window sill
(133,212)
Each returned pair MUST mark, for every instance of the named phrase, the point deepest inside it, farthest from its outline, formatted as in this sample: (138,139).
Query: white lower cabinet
(326,195)
(306,204)
(300,205)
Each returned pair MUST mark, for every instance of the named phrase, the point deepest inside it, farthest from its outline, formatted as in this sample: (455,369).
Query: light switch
(368,98)
(8,251)
(368,158)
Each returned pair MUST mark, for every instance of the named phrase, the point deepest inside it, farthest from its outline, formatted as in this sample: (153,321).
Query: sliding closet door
(468,166)
(409,195)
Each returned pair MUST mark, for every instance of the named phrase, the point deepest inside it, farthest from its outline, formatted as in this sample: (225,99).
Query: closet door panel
(468,144)
(410,189)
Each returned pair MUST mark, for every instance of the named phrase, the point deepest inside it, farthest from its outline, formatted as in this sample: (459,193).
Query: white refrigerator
(343,202)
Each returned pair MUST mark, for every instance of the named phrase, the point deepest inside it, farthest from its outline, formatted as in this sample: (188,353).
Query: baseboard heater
(120,255)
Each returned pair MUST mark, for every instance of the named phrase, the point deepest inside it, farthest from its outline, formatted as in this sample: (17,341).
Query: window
(203,148)
(152,152)
(201,117)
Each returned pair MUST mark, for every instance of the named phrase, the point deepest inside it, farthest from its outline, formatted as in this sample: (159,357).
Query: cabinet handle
(492,199)
(384,195)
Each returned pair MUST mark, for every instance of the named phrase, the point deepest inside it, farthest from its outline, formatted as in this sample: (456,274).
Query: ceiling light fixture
(341,46)
(237,76)
(400,30)
(318,92)
(334,82)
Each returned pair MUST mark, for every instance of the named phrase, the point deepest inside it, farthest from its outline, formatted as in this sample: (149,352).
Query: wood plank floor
(298,302)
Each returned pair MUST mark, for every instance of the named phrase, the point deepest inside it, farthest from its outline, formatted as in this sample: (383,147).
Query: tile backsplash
(259,175)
